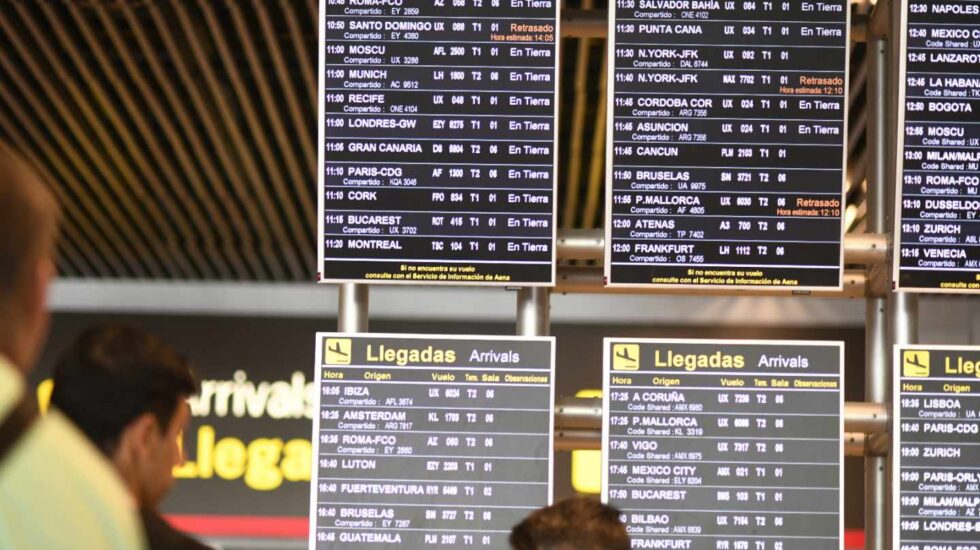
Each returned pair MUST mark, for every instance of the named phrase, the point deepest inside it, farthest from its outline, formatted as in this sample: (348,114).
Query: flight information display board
(936,445)
(726,143)
(938,211)
(429,441)
(438,124)
(725,444)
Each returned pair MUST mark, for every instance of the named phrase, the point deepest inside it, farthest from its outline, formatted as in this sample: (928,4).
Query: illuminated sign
(726,144)
(937,218)
(438,125)
(936,447)
(429,440)
(725,444)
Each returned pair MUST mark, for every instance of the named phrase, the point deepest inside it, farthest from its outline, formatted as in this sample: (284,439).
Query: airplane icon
(915,364)
(626,357)
(338,351)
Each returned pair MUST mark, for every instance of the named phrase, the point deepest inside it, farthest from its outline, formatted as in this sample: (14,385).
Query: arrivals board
(938,212)
(936,445)
(725,444)
(726,143)
(418,441)
(437,137)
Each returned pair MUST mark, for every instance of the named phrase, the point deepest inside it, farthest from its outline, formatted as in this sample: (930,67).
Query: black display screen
(725,444)
(727,132)
(438,129)
(936,445)
(419,441)
(938,214)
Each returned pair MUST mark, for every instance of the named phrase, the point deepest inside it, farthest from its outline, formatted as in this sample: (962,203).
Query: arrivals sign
(725,444)
(429,440)
(936,445)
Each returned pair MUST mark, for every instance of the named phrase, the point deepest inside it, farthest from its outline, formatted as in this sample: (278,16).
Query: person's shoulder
(160,535)
(11,386)
(57,477)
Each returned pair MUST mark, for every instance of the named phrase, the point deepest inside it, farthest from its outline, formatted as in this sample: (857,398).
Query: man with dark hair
(577,523)
(56,491)
(127,391)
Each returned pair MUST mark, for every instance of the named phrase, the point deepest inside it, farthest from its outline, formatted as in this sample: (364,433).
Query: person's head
(28,231)
(577,523)
(127,391)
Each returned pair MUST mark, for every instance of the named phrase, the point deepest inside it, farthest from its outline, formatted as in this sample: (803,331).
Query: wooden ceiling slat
(176,230)
(226,234)
(184,207)
(107,157)
(87,165)
(99,253)
(69,258)
(597,174)
(293,264)
(573,179)
(303,121)
(294,219)
(307,60)
(199,109)
(218,136)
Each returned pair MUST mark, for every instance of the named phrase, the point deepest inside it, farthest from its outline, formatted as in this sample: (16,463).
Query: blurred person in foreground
(127,391)
(56,490)
(577,523)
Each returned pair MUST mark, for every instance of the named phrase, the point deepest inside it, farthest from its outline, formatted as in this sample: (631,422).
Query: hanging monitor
(429,441)
(725,444)
(937,214)
(437,132)
(726,147)
(936,448)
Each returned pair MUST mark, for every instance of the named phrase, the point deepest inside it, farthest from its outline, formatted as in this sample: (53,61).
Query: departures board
(438,126)
(725,444)
(726,143)
(429,441)
(936,445)
(938,211)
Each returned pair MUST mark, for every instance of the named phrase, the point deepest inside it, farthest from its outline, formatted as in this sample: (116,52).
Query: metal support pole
(578,426)
(352,310)
(901,309)
(589,245)
(904,311)
(876,379)
(534,311)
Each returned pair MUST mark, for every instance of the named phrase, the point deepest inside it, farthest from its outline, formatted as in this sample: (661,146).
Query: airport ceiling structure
(180,136)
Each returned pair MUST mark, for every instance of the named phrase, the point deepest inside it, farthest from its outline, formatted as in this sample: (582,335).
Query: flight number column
(728,134)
